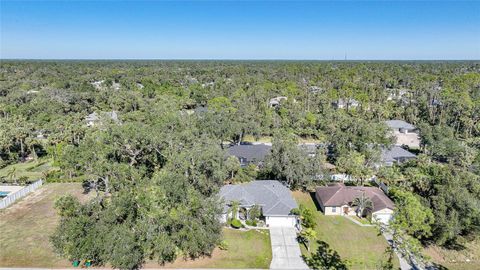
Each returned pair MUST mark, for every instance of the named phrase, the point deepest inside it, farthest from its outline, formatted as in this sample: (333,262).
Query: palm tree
(12,175)
(363,203)
(308,235)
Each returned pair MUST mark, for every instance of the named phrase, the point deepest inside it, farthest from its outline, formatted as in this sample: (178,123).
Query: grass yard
(33,170)
(246,249)
(362,247)
(465,259)
(26,226)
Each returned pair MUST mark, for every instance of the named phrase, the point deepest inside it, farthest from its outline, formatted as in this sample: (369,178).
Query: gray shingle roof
(395,153)
(253,153)
(274,198)
(397,124)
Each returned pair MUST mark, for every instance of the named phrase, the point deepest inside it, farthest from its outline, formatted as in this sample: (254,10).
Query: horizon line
(222,59)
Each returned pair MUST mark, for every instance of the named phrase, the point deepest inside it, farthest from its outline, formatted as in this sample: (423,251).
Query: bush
(252,223)
(235,223)
(223,245)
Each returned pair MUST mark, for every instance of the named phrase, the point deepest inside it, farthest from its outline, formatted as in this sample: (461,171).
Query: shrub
(251,223)
(223,245)
(235,223)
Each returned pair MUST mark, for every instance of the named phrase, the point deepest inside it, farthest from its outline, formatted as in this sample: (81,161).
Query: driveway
(285,250)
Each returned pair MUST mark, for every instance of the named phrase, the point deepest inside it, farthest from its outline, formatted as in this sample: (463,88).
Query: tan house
(337,200)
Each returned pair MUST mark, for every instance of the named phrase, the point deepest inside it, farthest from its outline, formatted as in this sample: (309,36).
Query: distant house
(273,197)
(337,200)
(315,89)
(395,154)
(250,153)
(95,118)
(309,148)
(345,103)
(400,126)
(275,102)
(405,133)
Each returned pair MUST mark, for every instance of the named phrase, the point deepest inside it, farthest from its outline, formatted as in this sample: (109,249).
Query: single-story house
(337,200)
(94,118)
(250,153)
(275,102)
(395,154)
(274,199)
(405,133)
(400,126)
(345,103)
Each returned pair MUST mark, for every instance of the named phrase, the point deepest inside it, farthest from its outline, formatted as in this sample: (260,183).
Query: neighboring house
(400,126)
(275,102)
(315,89)
(395,154)
(405,133)
(250,153)
(309,148)
(95,118)
(345,103)
(274,199)
(337,200)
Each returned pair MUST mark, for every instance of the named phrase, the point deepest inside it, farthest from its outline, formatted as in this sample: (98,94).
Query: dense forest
(156,167)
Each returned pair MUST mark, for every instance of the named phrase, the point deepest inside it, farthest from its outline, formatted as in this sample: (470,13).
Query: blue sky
(240,29)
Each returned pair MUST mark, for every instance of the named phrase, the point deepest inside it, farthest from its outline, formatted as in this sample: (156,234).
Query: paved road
(285,250)
(404,265)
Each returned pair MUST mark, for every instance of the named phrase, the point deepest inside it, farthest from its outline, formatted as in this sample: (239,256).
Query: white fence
(11,198)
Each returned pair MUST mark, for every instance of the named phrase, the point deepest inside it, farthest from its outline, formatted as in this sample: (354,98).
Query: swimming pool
(3,194)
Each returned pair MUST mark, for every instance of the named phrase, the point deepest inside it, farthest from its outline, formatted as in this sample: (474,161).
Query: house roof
(95,116)
(394,153)
(252,152)
(274,198)
(339,194)
(397,124)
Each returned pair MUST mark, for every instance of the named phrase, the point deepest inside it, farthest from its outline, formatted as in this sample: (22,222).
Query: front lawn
(246,249)
(361,246)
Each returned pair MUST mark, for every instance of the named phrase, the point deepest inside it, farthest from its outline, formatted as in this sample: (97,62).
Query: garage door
(383,218)
(281,221)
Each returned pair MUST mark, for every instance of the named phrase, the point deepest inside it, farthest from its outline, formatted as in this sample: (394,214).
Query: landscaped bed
(362,247)
(27,225)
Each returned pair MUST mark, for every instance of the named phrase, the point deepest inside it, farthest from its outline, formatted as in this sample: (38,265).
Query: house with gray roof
(405,133)
(274,199)
(395,154)
(250,153)
(400,126)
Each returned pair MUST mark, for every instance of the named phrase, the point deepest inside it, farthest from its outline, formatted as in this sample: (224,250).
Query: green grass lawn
(246,249)
(362,247)
(33,170)
(25,228)
(27,225)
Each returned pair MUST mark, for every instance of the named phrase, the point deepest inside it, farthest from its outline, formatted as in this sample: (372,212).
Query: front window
(334,209)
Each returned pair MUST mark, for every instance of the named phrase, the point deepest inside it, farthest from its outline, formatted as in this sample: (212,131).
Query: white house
(337,200)
(275,102)
(95,118)
(274,199)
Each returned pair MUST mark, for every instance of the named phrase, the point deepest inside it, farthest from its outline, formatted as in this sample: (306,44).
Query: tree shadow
(314,199)
(325,258)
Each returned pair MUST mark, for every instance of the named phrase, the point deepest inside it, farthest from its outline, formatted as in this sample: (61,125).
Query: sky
(314,30)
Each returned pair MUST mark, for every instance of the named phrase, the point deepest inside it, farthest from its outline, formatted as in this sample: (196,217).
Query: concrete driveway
(285,250)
